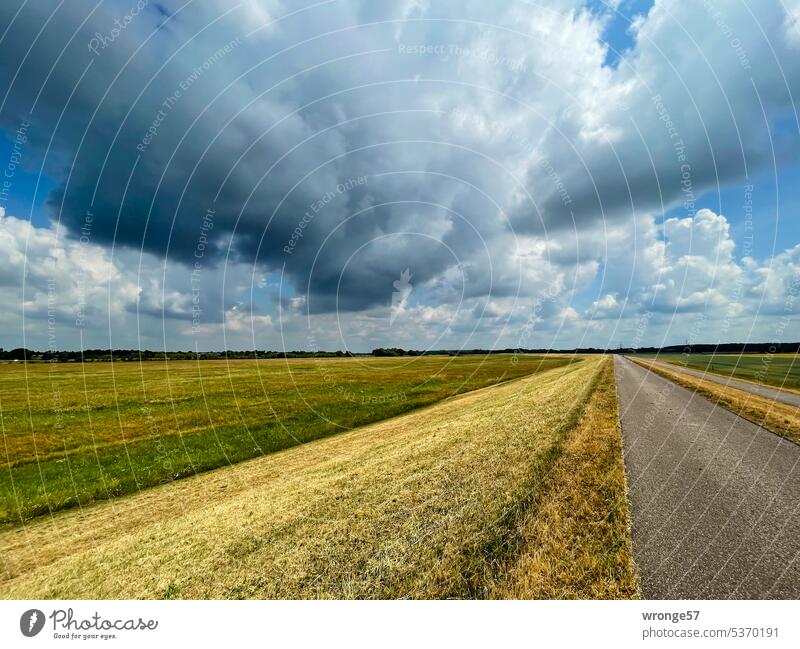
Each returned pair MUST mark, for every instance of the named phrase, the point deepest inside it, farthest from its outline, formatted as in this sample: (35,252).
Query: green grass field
(780,370)
(77,433)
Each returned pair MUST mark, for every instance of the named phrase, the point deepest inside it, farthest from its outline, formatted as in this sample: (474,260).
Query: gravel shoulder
(715,499)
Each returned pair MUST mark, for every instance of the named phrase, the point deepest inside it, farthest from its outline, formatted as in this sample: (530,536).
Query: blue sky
(617,33)
(25,198)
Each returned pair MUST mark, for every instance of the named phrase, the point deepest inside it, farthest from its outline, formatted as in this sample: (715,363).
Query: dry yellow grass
(427,505)
(576,540)
(780,418)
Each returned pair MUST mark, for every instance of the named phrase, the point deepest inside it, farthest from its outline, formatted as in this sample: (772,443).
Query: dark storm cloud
(151,139)
(183,111)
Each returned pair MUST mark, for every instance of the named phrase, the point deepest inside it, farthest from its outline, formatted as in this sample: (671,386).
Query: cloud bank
(260,174)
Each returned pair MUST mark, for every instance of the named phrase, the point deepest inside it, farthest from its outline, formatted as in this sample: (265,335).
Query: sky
(349,174)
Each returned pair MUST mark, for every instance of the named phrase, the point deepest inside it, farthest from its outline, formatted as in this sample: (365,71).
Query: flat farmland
(779,370)
(514,491)
(75,433)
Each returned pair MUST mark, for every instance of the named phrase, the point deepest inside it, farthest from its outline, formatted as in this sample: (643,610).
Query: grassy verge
(778,417)
(425,505)
(77,433)
(778,370)
(576,540)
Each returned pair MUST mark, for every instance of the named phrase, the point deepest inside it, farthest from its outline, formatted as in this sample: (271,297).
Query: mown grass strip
(484,563)
(575,538)
(780,418)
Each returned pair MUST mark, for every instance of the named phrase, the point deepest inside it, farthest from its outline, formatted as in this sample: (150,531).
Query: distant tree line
(395,351)
(723,348)
(23,354)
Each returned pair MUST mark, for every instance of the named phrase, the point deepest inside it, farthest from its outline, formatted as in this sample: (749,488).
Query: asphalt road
(776,394)
(715,499)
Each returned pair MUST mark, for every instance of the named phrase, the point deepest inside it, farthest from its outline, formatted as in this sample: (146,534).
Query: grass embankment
(778,370)
(778,417)
(445,502)
(75,433)
(576,540)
